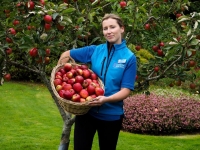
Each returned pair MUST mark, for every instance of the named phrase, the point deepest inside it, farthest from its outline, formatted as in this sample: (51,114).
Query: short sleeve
(83,54)
(129,76)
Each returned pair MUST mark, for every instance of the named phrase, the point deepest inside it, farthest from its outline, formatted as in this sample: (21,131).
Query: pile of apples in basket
(77,83)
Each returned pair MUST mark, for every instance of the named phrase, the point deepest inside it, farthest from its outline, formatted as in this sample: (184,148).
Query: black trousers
(86,127)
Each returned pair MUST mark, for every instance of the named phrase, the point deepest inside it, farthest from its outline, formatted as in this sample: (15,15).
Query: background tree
(163,34)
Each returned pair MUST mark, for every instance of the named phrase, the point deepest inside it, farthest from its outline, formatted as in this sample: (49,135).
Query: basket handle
(70,59)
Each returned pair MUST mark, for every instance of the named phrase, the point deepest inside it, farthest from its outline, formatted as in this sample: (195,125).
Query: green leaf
(55,15)
(68,10)
(94,40)
(80,20)
(174,29)
(194,42)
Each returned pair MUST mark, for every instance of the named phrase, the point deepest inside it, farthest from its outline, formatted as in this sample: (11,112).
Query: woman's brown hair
(113,16)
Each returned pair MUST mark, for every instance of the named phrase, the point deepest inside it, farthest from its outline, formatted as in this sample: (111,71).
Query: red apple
(72,90)
(155,48)
(89,98)
(160,52)
(86,73)
(61,92)
(47,26)
(62,71)
(67,86)
(71,81)
(67,66)
(137,47)
(77,87)
(156,69)
(192,63)
(91,88)
(85,84)
(7,77)
(89,80)
(57,82)
(79,79)
(161,44)
(99,91)
(64,83)
(93,95)
(76,98)
(84,66)
(58,77)
(79,71)
(68,94)
(94,81)
(48,51)
(192,86)
(12,31)
(147,26)
(47,18)
(9,40)
(94,76)
(69,75)
(58,73)
(59,87)
(73,71)
(30,5)
(15,22)
(65,78)
(122,4)
(59,27)
(42,2)
(9,51)
(33,52)
(82,100)
(84,93)
(178,15)
(46,60)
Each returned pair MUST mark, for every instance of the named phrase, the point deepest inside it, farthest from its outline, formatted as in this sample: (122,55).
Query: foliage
(77,24)
(155,114)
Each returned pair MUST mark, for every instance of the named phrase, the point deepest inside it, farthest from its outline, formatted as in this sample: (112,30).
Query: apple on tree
(47,18)
(9,51)
(12,31)
(15,22)
(7,77)
(122,4)
(147,26)
(9,40)
(30,5)
(137,47)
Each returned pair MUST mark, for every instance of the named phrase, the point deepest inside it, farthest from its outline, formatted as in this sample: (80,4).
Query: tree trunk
(68,120)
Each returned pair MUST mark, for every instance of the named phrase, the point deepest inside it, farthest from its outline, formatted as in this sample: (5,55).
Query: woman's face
(112,31)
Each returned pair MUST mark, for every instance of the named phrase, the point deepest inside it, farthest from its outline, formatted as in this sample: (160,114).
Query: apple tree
(33,34)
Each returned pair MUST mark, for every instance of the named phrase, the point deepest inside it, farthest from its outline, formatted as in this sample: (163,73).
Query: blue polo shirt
(117,69)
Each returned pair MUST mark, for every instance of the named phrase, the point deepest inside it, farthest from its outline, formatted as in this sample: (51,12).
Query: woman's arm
(122,94)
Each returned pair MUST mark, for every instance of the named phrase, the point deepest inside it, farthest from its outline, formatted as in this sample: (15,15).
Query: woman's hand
(121,95)
(98,101)
(64,57)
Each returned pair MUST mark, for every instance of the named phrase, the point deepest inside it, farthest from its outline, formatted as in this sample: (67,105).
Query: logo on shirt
(120,63)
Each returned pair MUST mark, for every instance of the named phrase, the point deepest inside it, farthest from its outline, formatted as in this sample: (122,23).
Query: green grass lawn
(29,120)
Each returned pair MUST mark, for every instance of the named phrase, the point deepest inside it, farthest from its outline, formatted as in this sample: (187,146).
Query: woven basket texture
(76,108)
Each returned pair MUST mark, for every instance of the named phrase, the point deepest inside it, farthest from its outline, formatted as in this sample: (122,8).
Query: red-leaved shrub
(161,115)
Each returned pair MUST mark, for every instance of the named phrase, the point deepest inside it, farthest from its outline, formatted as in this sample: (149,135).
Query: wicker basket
(76,108)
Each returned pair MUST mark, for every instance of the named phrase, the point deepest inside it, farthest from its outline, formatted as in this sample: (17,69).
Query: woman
(115,65)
